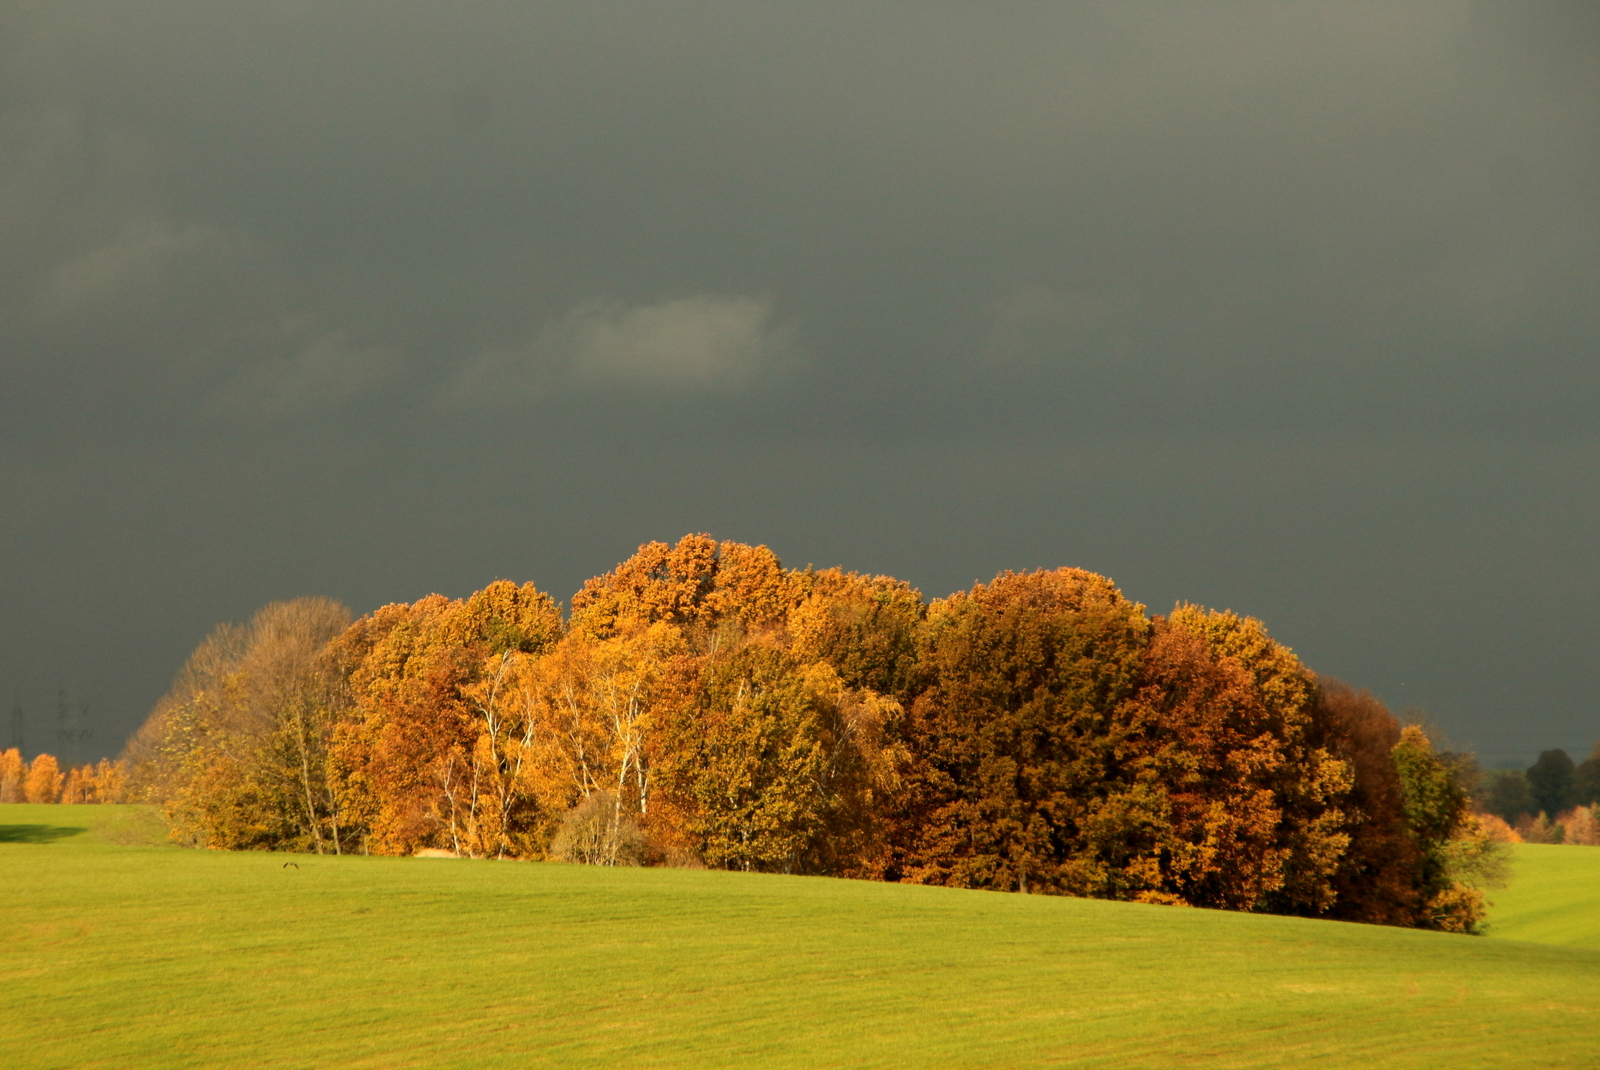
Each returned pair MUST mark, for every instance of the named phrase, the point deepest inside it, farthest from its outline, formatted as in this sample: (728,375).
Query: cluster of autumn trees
(42,781)
(703,705)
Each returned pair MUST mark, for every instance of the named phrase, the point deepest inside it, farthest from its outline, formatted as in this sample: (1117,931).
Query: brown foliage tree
(1417,853)
(1238,805)
(1012,737)
(1377,880)
(237,750)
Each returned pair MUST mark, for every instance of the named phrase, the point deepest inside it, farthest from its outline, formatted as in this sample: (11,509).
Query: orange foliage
(704,705)
(43,782)
(1497,830)
(1216,744)
(1011,739)
(698,584)
(406,756)
(1581,826)
(12,771)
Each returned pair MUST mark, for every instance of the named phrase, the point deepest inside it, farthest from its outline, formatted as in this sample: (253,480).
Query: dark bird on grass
(296,865)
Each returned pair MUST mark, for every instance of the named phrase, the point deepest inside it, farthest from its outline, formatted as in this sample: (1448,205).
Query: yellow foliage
(43,783)
(12,771)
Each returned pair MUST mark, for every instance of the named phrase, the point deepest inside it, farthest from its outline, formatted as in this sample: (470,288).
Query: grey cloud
(137,268)
(328,369)
(400,285)
(1039,324)
(704,342)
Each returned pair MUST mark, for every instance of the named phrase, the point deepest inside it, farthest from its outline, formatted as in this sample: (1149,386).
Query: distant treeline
(1556,800)
(42,781)
(704,706)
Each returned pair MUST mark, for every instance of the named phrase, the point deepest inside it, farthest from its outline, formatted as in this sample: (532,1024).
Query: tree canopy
(703,705)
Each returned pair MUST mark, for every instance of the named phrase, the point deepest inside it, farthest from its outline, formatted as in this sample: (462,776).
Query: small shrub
(597,833)
(1497,830)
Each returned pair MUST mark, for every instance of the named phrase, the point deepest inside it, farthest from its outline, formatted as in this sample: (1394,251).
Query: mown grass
(127,956)
(1553,897)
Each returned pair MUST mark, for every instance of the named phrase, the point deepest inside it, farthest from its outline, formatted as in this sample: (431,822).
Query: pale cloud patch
(324,371)
(147,258)
(708,342)
(705,341)
(1036,326)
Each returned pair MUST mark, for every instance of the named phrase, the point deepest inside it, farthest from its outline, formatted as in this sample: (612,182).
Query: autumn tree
(108,783)
(238,749)
(596,833)
(698,585)
(1229,803)
(101,782)
(863,626)
(12,772)
(407,757)
(44,781)
(1308,781)
(736,610)
(75,788)
(1456,853)
(557,730)
(774,763)
(1011,735)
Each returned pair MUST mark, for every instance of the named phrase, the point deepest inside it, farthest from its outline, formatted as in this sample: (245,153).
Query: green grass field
(119,955)
(1554,897)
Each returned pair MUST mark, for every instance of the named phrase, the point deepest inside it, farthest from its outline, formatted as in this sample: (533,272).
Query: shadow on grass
(37,833)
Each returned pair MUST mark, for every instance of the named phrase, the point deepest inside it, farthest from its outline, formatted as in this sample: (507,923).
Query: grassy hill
(124,956)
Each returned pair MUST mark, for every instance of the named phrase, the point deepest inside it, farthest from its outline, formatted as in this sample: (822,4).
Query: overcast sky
(1285,308)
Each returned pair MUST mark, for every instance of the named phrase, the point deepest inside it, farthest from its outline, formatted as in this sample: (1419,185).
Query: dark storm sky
(1286,308)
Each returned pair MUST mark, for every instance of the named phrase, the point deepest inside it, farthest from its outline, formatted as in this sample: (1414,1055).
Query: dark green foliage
(1507,795)
(1455,854)
(1551,782)
(1586,780)
(38,833)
